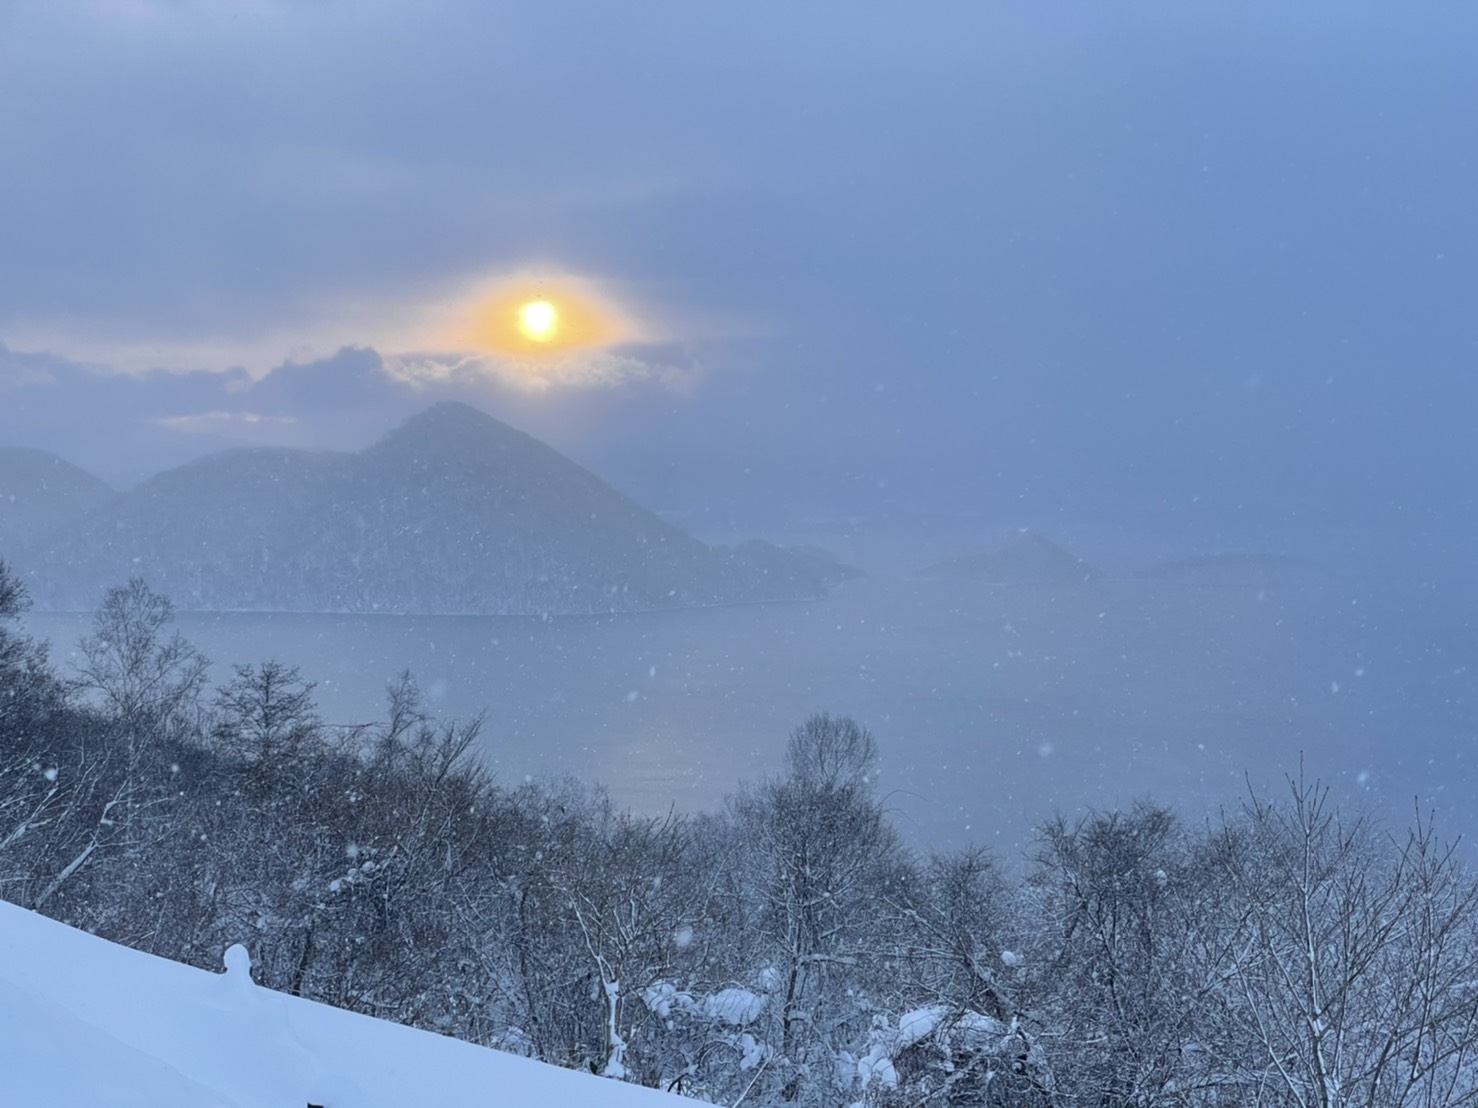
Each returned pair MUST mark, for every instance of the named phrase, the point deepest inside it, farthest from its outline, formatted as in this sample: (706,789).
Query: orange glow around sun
(539,318)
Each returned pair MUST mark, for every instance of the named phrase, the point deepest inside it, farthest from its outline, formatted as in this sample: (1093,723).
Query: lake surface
(993,706)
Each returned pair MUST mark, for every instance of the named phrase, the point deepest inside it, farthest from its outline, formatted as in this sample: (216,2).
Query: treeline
(787,950)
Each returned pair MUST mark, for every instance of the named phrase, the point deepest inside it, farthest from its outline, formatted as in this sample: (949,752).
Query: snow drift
(86,1023)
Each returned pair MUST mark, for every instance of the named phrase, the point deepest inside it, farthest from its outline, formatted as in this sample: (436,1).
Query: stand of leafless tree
(787,950)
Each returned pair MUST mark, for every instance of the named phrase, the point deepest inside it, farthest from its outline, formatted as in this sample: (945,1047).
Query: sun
(541,316)
(538,321)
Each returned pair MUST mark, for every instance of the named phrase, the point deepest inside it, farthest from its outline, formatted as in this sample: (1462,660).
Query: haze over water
(994,706)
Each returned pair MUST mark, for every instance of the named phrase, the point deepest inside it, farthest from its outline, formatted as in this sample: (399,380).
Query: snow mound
(734,1006)
(85,1022)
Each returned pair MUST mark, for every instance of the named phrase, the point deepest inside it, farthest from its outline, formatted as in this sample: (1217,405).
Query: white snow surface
(918,1024)
(88,1024)
(734,1006)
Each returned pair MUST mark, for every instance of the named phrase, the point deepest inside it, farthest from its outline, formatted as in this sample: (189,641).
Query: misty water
(994,706)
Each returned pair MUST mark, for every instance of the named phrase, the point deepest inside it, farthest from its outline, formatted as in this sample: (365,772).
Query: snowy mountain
(1028,560)
(85,1023)
(454,512)
(39,493)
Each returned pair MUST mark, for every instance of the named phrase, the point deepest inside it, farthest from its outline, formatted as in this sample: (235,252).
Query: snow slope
(87,1024)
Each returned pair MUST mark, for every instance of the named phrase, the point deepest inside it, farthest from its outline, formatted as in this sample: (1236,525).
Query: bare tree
(118,767)
(630,897)
(149,682)
(827,857)
(266,715)
(1357,979)
(28,780)
(28,688)
(1132,945)
(958,977)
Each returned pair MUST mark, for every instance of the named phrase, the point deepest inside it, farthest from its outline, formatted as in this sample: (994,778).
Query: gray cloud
(1205,270)
(126,426)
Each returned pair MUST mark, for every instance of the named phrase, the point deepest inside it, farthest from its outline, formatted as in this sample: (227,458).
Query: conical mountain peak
(452,512)
(452,420)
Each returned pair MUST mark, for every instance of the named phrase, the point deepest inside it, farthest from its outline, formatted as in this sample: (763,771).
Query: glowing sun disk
(539,316)
(538,320)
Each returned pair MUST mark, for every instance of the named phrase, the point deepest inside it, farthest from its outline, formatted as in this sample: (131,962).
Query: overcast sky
(1207,271)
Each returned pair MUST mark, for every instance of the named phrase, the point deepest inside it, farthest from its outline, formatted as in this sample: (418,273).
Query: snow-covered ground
(88,1024)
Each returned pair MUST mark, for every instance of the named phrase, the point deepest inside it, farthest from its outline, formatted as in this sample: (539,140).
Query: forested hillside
(785,950)
(40,493)
(454,512)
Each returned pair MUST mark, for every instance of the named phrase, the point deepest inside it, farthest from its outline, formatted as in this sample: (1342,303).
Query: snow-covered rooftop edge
(85,1023)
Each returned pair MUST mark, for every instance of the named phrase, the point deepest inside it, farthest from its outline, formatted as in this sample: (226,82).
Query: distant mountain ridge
(1029,559)
(40,493)
(1242,570)
(452,513)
